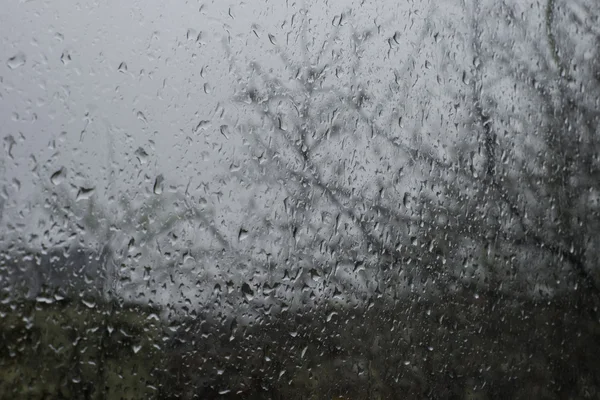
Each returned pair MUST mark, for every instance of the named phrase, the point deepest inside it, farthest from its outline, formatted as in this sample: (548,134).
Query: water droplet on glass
(44,300)
(465,78)
(202,125)
(141,155)
(17,60)
(136,348)
(191,34)
(65,58)
(224,129)
(272,40)
(122,67)
(158,184)
(58,177)
(88,303)
(142,117)
(84,193)
(248,292)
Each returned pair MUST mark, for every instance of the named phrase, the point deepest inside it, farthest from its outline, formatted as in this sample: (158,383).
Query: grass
(459,346)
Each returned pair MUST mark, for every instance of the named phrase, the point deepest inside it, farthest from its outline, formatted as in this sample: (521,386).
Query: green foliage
(69,350)
(464,346)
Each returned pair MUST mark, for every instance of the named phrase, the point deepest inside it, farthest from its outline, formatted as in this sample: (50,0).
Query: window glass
(300,199)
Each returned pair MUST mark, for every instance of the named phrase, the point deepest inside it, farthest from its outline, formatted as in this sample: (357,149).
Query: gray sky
(90,87)
(66,103)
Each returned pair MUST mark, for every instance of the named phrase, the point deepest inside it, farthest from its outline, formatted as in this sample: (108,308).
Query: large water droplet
(224,130)
(17,60)
(248,292)
(192,34)
(58,177)
(65,58)
(158,183)
(88,303)
(84,193)
(142,117)
(202,125)
(44,299)
(141,155)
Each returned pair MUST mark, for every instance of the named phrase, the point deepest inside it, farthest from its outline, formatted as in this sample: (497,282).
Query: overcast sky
(78,79)
(117,96)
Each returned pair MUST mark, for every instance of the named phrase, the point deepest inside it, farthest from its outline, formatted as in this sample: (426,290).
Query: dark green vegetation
(69,350)
(466,347)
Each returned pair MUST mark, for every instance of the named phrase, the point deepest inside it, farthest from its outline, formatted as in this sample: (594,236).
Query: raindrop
(207,88)
(136,348)
(224,129)
(141,155)
(65,58)
(248,292)
(44,300)
(272,40)
(465,78)
(84,193)
(243,234)
(88,304)
(9,143)
(191,34)
(58,177)
(17,60)
(142,117)
(122,67)
(158,184)
(406,200)
(202,125)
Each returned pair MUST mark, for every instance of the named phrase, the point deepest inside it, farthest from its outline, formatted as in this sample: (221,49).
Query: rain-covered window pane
(300,199)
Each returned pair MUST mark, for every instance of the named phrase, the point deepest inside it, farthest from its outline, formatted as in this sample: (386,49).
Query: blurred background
(254,200)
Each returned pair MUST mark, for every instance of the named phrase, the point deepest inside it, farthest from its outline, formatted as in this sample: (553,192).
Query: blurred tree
(522,182)
(503,198)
